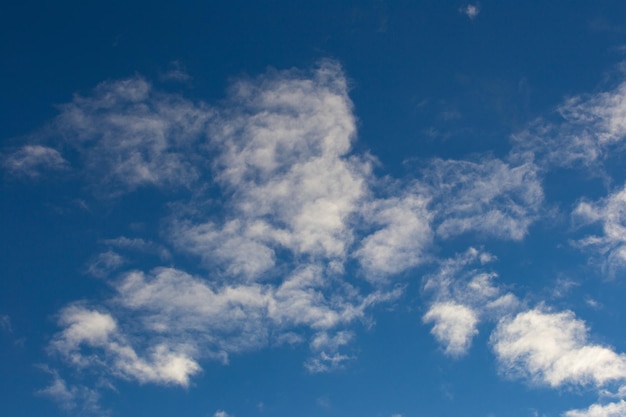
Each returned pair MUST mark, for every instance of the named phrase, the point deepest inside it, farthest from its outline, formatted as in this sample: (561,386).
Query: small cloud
(5,324)
(324,402)
(32,160)
(72,398)
(471,10)
(104,264)
(221,413)
(176,72)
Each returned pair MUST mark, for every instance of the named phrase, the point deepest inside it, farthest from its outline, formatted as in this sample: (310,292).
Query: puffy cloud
(552,348)
(88,332)
(283,156)
(402,240)
(455,325)
(32,160)
(491,197)
(175,320)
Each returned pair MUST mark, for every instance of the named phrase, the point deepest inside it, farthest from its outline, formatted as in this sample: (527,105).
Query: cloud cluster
(290,195)
(296,242)
(463,294)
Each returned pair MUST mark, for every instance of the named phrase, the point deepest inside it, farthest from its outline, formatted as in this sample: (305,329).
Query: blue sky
(385,209)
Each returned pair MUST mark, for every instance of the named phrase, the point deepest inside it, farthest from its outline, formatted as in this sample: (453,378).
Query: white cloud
(33,160)
(490,197)
(176,71)
(221,413)
(73,398)
(402,241)
(611,213)
(552,348)
(455,325)
(325,362)
(129,135)
(463,294)
(105,263)
(93,339)
(584,132)
(471,11)
(288,207)
(235,247)
(5,324)
(139,245)
(617,409)
(283,156)
(177,320)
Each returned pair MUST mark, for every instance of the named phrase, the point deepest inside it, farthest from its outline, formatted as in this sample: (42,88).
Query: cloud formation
(286,235)
(463,293)
(553,349)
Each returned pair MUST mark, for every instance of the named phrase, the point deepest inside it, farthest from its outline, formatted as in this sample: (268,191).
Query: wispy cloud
(104,264)
(584,131)
(490,197)
(5,323)
(128,135)
(616,409)
(72,398)
(34,160)
(611,244)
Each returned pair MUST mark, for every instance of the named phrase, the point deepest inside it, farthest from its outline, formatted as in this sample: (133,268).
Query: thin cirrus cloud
(584,131)
(492,197)
(128,135)
(610,212)
(33,161)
